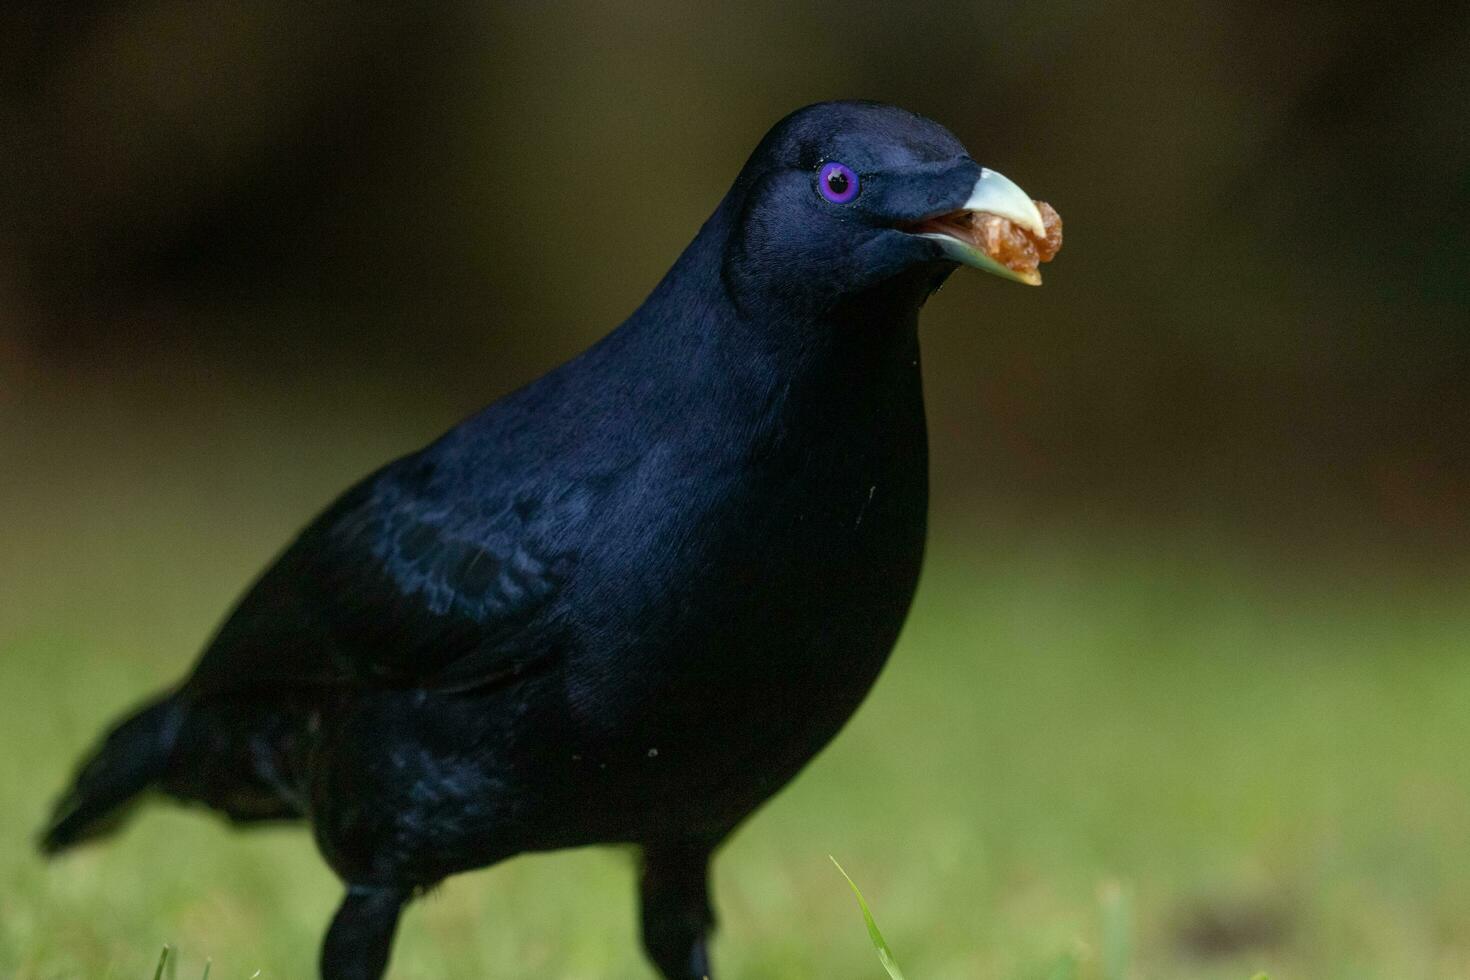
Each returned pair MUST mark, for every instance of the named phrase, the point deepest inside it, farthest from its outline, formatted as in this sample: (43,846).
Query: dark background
(1258,325)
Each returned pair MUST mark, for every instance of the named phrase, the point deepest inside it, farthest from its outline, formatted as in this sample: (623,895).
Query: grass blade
(885,955)
(162,962)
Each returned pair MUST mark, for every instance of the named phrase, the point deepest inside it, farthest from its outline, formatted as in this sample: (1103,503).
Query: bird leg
(677,918)
(361,934)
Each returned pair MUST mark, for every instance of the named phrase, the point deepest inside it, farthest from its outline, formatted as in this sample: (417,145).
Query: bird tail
(132,756)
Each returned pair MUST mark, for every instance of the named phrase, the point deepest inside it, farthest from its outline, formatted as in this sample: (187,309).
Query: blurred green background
(1196,630)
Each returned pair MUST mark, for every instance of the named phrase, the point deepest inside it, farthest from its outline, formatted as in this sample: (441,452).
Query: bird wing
(401,583)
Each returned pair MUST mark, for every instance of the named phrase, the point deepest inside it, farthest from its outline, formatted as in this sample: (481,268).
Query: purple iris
(837,183)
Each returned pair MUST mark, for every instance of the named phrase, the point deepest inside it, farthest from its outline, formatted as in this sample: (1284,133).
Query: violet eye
(837,183)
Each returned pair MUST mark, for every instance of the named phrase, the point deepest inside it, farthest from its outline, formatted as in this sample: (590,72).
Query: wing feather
(399,583)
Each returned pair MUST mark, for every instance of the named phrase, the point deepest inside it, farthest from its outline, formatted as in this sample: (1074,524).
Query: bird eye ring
(837,183)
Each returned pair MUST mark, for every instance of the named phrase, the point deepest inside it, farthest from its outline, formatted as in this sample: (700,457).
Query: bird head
(843,197)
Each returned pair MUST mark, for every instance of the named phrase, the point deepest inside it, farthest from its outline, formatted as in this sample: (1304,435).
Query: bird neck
(704,307)
(706,358)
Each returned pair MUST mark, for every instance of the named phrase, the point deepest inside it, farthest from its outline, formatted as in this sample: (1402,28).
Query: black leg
(676,912)
(361,934)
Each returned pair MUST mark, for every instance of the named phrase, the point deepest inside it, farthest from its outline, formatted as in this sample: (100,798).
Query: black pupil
(837,182)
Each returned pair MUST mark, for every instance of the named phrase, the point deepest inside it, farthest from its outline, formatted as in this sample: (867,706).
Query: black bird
(624,604)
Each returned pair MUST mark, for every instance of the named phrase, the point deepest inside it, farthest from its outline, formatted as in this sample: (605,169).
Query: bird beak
(992,194)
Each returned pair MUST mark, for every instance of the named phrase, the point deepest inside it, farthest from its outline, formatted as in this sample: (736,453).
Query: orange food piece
(1048,247)
(1013,246)
(1002,240)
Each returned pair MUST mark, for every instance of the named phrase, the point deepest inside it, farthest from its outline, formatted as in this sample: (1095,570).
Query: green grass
(168,966)
(1093,756)
(885,955)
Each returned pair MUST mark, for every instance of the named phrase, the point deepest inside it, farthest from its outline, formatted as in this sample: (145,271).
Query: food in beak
(1003,240)
(1013,246)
